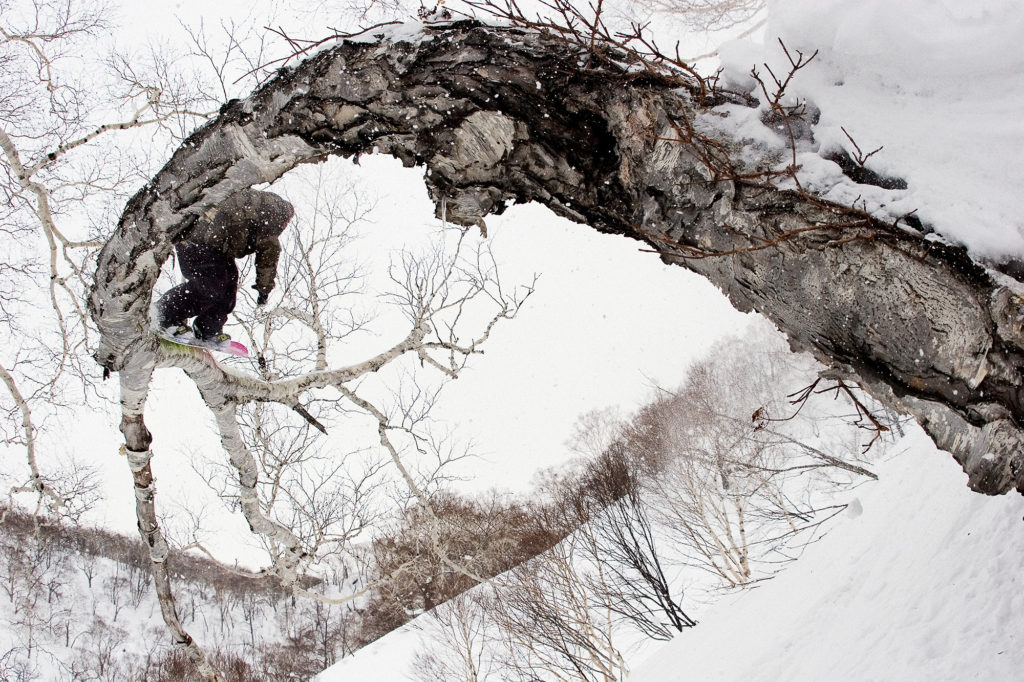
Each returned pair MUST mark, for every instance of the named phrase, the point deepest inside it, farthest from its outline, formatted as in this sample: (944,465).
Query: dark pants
(209,293)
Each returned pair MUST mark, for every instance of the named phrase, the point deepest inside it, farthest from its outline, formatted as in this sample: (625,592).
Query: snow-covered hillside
(920,580)
(917,581)
(79,604)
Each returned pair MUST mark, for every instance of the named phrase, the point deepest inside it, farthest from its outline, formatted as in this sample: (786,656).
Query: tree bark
(501,115)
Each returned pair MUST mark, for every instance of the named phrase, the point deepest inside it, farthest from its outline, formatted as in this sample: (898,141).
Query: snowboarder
(247,222)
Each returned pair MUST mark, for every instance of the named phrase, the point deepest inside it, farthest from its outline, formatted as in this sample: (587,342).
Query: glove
(261,298)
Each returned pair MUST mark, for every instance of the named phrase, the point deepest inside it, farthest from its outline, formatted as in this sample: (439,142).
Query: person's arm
(268,250)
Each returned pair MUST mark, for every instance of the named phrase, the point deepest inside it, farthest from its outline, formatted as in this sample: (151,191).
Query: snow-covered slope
(78,603)
(919,581)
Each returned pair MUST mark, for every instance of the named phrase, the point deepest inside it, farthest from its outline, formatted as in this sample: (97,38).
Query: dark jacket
(248,222)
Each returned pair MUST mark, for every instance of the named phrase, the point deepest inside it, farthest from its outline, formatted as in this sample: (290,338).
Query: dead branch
(864,419)
(859,156)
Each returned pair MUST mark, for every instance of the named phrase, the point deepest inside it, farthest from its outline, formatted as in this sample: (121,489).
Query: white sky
(605,323)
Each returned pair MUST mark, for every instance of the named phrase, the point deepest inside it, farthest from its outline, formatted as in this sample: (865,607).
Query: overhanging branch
(499,115)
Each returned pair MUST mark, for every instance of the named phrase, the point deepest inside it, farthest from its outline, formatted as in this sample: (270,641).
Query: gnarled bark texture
(499,115)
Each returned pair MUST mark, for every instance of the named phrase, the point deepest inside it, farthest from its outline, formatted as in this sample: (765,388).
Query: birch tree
(730,476)
(483,147)
(71,113)
(301,502)
(552,622)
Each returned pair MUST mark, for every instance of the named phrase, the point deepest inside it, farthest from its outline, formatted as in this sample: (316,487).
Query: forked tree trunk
(499,115)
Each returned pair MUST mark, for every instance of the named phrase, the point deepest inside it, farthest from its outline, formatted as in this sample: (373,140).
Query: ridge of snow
(938,83)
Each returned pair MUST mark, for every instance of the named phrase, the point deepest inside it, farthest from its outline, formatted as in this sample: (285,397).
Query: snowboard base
(190,341)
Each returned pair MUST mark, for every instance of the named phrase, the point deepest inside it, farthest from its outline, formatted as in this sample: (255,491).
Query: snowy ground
(918,580)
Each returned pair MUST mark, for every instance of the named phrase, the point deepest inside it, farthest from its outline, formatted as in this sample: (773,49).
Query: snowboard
(190,341)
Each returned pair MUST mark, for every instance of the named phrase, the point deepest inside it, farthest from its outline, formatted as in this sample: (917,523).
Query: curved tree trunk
(499,115)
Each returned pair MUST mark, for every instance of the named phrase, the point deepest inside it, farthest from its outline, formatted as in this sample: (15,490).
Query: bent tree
(602,136)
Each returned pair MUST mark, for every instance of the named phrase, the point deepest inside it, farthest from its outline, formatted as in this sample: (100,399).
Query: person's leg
(215,287)
(183,301)
(209,293)
(176,306)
